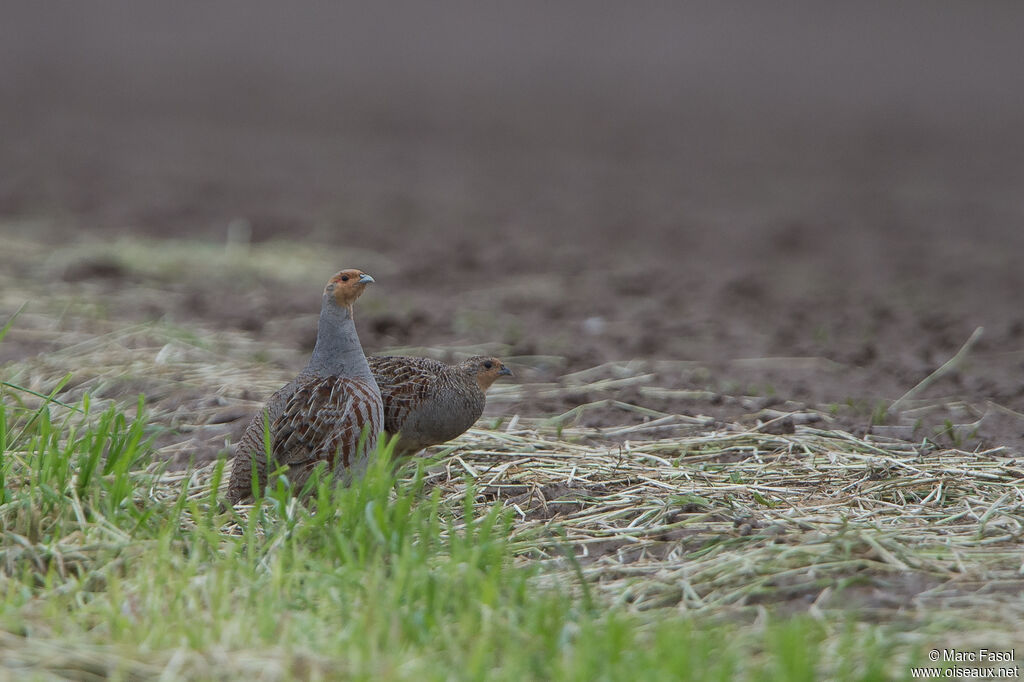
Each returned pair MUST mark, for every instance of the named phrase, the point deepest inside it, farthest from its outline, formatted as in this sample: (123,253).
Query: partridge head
(486,370)
(346,286)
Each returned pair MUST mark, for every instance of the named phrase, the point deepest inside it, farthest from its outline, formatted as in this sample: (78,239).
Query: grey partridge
(331,412)
(429,402)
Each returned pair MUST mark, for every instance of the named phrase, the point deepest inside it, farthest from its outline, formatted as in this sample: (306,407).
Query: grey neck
(337,351)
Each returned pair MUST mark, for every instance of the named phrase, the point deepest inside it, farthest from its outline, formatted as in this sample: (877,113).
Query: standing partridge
(331,412)
(428,402)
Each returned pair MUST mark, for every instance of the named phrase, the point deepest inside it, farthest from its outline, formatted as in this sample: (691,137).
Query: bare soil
(734,187)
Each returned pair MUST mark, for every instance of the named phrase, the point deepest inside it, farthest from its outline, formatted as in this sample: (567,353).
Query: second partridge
(429,402)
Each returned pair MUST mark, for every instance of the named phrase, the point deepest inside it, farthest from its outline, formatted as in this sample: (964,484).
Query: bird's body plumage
(429,402)
(331,412)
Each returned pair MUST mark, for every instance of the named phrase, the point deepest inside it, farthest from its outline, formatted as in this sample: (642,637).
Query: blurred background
(572,182)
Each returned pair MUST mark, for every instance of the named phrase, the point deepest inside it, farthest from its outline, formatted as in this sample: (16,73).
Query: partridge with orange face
(331,412)
(428,402)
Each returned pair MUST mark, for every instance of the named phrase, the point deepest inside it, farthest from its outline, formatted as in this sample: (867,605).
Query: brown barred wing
(325,421)
(251,449)
(405,384)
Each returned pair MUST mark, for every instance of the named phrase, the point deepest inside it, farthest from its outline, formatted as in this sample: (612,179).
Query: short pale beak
(366,279)
(505,371)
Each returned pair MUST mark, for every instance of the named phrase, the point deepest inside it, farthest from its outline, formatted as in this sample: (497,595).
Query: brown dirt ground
(708,184)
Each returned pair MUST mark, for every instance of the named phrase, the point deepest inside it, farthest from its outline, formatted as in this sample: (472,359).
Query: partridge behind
(331,412)
(429,402)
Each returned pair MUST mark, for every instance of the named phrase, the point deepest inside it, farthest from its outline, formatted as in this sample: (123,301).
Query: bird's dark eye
(488,364)
(344,278)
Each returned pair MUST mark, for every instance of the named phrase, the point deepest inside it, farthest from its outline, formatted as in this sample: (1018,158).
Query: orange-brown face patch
(487,375)
(346,286)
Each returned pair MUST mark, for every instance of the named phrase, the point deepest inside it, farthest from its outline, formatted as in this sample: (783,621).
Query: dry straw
(662,511)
